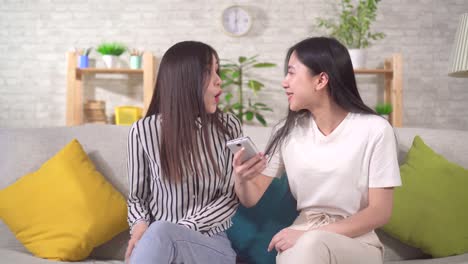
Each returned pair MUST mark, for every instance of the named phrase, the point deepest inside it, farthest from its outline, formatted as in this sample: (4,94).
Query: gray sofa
(24,150)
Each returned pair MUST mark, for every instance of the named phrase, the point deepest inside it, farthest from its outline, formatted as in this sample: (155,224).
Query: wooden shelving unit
(392,73)
(75,84)
(393,79)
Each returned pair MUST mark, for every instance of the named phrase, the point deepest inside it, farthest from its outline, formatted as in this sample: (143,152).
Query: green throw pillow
(431,207)
(253,228)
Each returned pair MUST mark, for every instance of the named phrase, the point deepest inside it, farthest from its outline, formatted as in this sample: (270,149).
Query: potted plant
(135,58)
(233,76)
(384,109)
(110,53)
(353,28)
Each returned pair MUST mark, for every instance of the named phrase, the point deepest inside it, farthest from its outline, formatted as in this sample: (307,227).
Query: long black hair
(321,54)
(184,72)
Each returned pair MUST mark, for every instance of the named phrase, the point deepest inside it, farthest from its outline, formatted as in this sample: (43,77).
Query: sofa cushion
(430,207)
(253,228)
(65,209)
(395,250)
(452,144)
(17,257)
(25,149)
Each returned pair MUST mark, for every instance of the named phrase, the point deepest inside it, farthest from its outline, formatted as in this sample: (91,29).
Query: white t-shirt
(333,173)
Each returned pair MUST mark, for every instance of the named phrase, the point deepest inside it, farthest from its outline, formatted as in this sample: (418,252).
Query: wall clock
(236,21)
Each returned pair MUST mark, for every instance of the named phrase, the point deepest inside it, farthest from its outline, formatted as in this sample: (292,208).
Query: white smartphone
(244,142)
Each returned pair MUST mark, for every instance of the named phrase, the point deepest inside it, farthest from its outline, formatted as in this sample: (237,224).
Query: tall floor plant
(234,79)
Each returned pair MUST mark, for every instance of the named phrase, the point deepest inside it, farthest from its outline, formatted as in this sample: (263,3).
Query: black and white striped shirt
(204,203)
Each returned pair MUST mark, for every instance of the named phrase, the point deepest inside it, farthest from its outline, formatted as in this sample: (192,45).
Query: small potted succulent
(384,109)
(135,58)
(110,53)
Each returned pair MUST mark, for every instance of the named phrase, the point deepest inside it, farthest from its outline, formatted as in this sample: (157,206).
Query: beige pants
(320,247)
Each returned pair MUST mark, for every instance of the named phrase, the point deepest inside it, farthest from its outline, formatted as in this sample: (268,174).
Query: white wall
(35,35)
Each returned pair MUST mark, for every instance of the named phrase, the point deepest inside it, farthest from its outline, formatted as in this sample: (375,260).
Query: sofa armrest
(460,259)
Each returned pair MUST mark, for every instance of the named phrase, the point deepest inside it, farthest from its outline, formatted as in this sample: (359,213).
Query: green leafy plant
(383,108)
(113,48)
(353,27)
(233,76)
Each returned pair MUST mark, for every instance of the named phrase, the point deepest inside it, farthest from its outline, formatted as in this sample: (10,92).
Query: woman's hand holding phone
(249,169)
(248,166)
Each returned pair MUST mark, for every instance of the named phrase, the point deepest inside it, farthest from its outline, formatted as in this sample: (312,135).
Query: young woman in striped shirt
(181,196)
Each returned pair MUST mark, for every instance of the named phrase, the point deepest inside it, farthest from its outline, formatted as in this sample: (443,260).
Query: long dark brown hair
(321,54)
(184,73)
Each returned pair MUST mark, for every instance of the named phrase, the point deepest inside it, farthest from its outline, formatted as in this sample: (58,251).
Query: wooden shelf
(393,92)
(392,74)
(373,71)
(75,84)
(110,71)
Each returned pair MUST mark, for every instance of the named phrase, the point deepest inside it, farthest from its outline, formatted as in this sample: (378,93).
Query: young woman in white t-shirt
(340,159)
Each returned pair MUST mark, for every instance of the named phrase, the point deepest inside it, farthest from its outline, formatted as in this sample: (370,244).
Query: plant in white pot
(384,109)
(110,53)
(353,28)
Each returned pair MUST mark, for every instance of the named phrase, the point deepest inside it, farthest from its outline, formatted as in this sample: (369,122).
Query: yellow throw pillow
(65,209)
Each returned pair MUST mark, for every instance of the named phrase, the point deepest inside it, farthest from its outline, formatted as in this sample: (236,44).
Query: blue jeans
(166,243)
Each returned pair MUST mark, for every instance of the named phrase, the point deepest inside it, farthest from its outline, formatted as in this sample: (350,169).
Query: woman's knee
(312,247)
(156,244)
(161,231)
(316,239)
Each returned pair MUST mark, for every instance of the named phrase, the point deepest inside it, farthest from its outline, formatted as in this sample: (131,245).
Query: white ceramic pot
(385,116)
(110,61)
(358,58)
